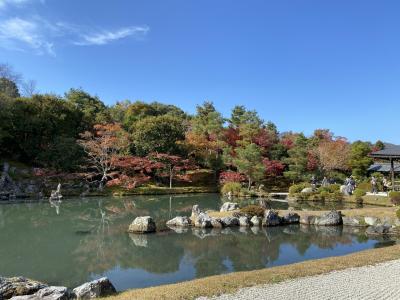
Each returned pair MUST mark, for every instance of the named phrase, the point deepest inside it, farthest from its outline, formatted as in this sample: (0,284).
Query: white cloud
(16,33)
(106,37)
(41,36)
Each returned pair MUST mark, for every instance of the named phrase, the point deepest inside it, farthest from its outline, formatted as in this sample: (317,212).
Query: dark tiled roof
(383,167)
(390,150)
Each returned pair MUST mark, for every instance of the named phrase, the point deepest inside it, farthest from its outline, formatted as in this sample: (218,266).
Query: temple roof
(389,151)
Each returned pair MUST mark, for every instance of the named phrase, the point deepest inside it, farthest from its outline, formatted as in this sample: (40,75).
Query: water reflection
(71,242)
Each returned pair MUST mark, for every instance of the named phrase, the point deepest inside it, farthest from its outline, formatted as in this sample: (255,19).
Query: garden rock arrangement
(331,218)
(200,219)
(142,225)
(20,288)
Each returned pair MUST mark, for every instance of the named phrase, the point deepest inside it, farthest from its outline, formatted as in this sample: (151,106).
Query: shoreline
(232,282)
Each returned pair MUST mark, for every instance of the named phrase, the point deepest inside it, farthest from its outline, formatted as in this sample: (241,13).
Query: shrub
(395,198)
(233,187)
(330,188)
(297,188)
(398,213)
(359,194)
(253,210)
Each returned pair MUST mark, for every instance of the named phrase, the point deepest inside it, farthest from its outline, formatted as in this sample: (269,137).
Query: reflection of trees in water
(89,237)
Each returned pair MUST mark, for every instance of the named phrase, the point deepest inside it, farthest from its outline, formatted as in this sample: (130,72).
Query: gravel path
(381,281)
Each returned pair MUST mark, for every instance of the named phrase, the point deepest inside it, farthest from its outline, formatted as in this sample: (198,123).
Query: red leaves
(231,176)
(273,167)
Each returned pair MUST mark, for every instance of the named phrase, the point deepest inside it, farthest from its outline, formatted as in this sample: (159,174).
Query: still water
(78,240)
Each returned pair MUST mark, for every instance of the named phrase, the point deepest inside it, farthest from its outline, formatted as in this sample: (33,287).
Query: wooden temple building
(386,161)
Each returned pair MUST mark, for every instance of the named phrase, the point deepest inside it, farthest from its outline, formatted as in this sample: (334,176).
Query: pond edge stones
(20,288)
(142,225)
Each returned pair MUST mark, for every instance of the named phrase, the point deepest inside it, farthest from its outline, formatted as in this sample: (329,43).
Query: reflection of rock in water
(255,229)
(179,229)
(205,232)
(386,243)
(244,230)
(139,240)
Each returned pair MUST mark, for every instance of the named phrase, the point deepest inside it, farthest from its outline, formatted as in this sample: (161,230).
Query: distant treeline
(43,130)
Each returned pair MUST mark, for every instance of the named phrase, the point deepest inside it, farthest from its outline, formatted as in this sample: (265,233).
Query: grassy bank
(230,283)
(371,200)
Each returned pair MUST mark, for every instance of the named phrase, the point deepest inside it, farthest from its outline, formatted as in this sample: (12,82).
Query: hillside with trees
(130,144)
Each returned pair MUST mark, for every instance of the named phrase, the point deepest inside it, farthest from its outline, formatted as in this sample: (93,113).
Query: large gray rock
(271,218)
(256,221)
(53,293)
(18,286)
(142,225)
(203,220)
(244,221)
(195,211)
(93,289)
(329,219)
(230,221)
(371,221)
(216,223)
(228,206)
(180,222)
(291,218)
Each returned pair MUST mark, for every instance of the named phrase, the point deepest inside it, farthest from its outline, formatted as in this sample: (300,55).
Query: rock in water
(203,220)
(216,223)
(329,219)
(228,206)
(142,225)
(180,222)
(244,221)
(291,218)
(256,221)
(230,221)
(195,211)
(93,289)
(271,218)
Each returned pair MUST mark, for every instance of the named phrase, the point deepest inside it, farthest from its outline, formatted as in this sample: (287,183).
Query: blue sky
(301,64)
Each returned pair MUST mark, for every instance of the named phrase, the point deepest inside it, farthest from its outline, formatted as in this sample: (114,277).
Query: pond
(78,240)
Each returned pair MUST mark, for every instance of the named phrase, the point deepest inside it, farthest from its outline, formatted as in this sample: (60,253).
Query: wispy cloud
(106,37)
(5,3)
(41,36)
(17,34)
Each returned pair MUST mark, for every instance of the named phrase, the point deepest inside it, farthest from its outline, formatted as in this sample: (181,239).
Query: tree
(103,145)
(298,157)
(158,134)
(133,112)
(334,155)
(171,165)
(204,138)
(248,161)
(9,88)
(93,109)
(247,122)
(359,160)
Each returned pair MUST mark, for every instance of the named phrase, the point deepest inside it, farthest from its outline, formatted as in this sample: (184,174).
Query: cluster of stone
(201,219)
(20,288)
